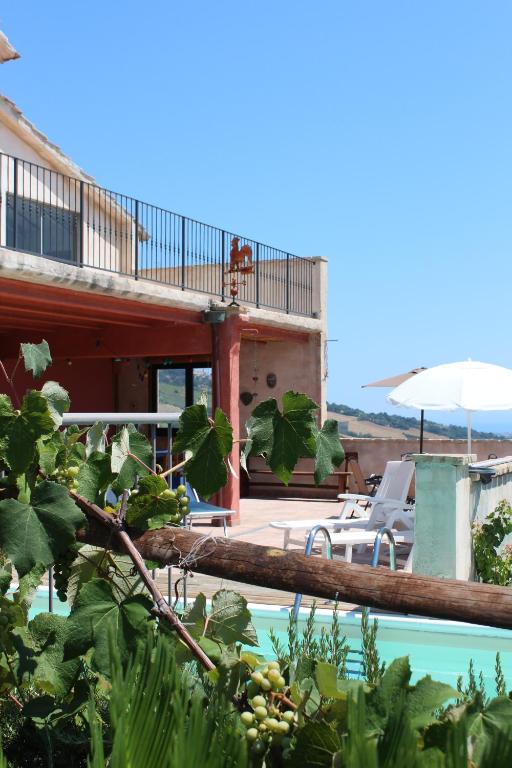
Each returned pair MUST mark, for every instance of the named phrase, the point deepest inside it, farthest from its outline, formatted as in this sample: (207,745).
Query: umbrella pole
(469,430)
(422,419)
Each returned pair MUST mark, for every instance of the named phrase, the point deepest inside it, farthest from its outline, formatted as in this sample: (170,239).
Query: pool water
(442,649)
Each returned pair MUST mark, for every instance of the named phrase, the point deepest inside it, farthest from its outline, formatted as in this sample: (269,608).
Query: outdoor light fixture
(214,316)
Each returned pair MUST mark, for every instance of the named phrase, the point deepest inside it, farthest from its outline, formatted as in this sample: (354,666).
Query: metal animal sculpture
(240,259)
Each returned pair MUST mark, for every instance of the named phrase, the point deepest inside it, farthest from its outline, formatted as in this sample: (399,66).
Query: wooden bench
(262,481)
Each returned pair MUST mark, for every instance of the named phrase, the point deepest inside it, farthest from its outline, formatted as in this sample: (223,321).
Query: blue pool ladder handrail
(307,552)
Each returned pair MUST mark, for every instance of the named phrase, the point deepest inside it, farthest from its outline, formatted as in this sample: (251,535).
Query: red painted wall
(90,382)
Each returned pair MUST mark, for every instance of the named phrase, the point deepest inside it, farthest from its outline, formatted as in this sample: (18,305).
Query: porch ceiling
(99,324)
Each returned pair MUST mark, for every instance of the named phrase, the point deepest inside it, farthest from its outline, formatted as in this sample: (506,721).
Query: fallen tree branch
(330,579)
(113,527)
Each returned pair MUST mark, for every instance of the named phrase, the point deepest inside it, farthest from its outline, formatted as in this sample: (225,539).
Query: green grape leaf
(98,621)
(36,533)
(316,744)
(485,726)
(57,399)
(94,477)
(93,562)
(427,696)
(5,578)
(7,419)
(328,684)
(52,675)
(27,587)
(34,421)
(283,438)
(129,440)
(210,442)
(49,449)
(95,439)
(329,451)
(148,510)
(36,357)
(194,617)
(229,620)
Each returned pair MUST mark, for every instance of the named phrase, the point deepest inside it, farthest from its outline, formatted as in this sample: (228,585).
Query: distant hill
(356,423)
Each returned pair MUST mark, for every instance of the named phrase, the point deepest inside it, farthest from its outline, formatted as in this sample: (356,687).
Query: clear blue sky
(377,134)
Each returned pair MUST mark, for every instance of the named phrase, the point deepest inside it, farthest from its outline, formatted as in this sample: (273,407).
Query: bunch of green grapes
(66,476)
(62,570)
(180,494)
(267,721)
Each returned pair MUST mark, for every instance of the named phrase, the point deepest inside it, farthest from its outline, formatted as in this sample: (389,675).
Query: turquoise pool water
(442,649)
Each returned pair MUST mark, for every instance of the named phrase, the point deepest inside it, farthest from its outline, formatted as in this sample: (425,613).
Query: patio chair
(390,498)
(361,539)
(201,509)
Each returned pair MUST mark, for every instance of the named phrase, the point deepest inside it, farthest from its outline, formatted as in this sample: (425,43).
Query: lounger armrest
(354,497)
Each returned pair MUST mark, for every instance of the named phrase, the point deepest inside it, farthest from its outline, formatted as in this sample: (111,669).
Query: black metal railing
(70,220)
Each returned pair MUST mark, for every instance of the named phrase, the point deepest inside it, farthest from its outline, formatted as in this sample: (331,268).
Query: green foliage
(283,437)
(97,617)
(129,448)
(372,667)
(35,534)
(161,720)
(154,504)
(36,357)
(493,566)
(329,451)
(209,442)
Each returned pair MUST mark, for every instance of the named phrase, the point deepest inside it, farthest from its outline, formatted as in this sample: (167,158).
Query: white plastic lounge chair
(360,539)
(390,498)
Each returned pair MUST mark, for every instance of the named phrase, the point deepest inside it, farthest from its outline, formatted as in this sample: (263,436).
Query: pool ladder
(328,548)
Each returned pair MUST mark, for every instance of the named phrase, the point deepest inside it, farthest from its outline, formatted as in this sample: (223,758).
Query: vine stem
(162,607)
(136,458)
(173,469)
(11,386)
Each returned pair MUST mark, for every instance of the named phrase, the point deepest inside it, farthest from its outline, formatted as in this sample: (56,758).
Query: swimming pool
(438,648)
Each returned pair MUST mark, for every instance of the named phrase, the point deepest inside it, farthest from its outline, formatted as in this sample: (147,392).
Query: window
(43,229)
(178,386)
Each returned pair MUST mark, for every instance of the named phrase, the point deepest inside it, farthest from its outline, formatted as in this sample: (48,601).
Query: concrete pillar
(226,365)
(442,531)
(319,306)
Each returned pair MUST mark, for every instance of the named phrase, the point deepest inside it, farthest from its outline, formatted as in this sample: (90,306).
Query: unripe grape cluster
(66,476)
(180,494)
(267,722)
(62,571)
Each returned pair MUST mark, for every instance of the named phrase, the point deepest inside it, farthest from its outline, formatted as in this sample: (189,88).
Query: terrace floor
(256,516)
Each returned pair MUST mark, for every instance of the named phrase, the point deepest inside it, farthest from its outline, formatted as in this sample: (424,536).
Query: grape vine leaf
(282,438)
(146,508)
(129,440)
(53,675)
(95,439)
(92,562)
(5,578)
(98,621)
(36,357)
(210,442)
(7,419)
(316,744)
(36,533)
(57,399)
(229,620)
(329,451)
(33,421)
(94,477)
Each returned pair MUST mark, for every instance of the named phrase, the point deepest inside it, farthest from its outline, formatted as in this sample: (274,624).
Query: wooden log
(293,572)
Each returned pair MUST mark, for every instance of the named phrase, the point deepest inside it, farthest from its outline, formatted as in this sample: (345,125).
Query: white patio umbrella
(469,385)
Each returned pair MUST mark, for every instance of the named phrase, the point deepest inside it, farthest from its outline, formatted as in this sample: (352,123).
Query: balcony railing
(63,218)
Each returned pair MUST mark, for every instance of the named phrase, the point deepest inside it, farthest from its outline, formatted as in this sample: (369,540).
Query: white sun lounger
(386,506)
